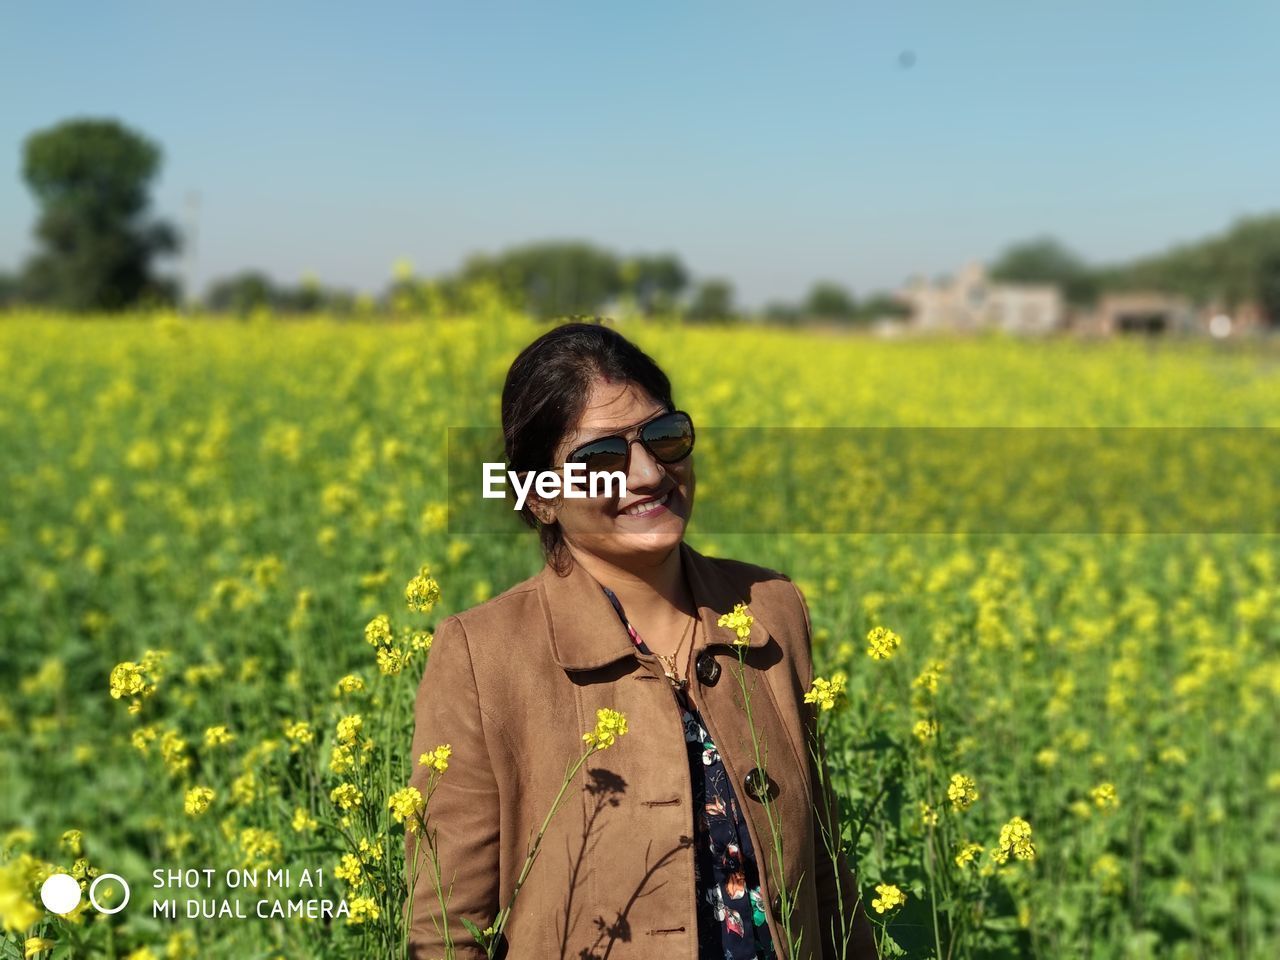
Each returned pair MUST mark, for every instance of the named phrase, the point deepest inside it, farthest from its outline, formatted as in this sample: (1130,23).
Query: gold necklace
(669,661)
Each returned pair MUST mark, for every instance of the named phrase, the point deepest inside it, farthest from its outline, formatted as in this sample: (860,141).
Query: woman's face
(610,527)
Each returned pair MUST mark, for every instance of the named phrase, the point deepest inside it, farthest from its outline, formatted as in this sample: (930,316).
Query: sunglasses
(668,437)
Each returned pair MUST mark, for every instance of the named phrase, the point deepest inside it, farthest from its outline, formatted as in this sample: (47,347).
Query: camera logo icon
(60,893)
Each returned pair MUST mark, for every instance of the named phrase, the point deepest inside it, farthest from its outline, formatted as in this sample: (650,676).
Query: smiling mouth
(646,506)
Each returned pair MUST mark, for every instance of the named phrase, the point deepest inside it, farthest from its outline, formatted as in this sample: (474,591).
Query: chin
(654,544)
(623,547)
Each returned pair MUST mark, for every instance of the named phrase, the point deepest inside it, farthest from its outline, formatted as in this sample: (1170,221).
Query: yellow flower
(377,632)
(299,731)
(881,643)
(890,897)
(437,759)
(1015,838)
(341,759)
(138,680)
(1108,873)
(180,946)
(362,909)
(126,680)
(420,640)
(392,660)
(928,815)
(739,621)
(16,909)
(72,841)
(346,796)
(303,822)
(962,791)
(260,846)
(173,750)
(1174,756)
(825,692)
(349,684)
(369,852)
(610,725)
(143,737)
(350,869)
(405,804)
(349,728)
(928,679)
(1104,796)
(925,730)
(244,788)
(967,853)
(217,736)
(422,592)
(34,946)
(197,801)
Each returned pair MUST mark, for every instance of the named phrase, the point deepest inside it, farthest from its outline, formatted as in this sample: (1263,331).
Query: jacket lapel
(587,634)
(716,594)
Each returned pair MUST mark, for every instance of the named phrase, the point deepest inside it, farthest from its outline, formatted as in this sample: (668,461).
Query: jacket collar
(586,632)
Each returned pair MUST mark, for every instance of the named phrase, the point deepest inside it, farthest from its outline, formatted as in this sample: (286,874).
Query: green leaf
(474,931)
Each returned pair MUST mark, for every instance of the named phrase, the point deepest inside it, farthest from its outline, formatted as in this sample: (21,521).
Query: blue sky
(772,144)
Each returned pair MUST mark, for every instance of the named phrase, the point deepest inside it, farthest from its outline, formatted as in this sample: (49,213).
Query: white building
(970,302)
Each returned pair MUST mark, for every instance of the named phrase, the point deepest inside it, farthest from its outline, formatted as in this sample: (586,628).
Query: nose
(643,472)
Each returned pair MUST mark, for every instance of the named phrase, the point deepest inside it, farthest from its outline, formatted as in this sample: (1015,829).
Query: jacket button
(777,906)
(757,785)
(708,669)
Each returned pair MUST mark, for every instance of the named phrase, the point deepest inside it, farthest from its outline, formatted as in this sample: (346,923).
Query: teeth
(640,509)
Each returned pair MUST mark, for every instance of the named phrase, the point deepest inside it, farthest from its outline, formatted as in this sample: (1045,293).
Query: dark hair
(546,391)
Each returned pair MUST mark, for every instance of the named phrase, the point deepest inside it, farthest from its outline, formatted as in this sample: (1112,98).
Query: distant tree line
(1238,266)
(98,246)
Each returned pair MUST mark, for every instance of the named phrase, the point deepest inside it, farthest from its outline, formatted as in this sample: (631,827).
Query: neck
(643,586)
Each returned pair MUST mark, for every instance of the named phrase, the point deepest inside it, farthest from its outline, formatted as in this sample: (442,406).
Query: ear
(544,510)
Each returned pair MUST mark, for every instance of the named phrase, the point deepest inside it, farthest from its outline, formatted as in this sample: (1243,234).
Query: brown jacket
(512,685)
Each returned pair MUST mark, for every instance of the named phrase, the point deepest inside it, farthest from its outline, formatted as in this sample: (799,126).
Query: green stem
(504,914)
(775,828)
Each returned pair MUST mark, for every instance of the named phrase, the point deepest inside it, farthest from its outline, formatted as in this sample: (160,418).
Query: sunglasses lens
(603,455)
(669,438)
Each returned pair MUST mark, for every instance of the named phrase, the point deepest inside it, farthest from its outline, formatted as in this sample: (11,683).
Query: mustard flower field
(224,547)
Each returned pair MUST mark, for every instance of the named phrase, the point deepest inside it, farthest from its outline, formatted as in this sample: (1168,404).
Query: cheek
(582,514)
(686,479)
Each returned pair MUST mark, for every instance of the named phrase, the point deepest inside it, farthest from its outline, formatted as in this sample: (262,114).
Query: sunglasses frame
(626,462)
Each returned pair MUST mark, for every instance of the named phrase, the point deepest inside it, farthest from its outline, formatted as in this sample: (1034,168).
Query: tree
(1229,269)
(881,305)
(1045,260)
(91,179)
(8,289)
(829,301)
(1269,287)
(713,300)
(778,311)
(655,282)
(242,293)
(248,290)
(551,279)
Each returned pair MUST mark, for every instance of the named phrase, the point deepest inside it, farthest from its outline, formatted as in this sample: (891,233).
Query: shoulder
(513,610)
(769,591)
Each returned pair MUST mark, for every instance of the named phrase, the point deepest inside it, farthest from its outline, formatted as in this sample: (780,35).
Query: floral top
(731,917)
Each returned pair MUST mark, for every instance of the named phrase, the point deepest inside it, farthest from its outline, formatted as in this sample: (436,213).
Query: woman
(661,849)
